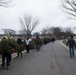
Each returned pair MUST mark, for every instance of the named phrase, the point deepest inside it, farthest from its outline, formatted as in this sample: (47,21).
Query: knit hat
(5,37)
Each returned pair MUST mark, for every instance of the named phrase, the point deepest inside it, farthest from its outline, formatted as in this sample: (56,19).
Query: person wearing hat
(5,51)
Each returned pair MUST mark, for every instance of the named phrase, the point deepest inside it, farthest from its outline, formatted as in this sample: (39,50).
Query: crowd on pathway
(7,48)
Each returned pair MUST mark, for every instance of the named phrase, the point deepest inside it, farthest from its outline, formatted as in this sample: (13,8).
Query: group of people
(19,41)
(6,46)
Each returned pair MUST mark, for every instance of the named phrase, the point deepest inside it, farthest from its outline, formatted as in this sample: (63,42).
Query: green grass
(64,41)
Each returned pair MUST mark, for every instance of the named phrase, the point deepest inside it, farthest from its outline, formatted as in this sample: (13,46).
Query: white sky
(47,11)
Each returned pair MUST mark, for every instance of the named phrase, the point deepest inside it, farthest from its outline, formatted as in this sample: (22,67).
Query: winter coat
(5,45)
(71,43)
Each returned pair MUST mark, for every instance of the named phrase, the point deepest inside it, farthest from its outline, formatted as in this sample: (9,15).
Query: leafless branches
(28,23)
(5,3)
(69,7)
(9,31)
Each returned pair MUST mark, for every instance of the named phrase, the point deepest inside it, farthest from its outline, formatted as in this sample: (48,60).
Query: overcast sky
(47,11)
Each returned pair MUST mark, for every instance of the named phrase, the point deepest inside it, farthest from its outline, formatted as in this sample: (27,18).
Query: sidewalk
(13,55)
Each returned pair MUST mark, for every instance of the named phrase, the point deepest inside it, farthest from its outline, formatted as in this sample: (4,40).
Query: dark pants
(9,57)
(5,56)
(37,47)
(19,52)
(27,48)
(71,52)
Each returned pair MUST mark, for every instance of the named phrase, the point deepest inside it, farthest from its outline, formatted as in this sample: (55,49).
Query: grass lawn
(64,41)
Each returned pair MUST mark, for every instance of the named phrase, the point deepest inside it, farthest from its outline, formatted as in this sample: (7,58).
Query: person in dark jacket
(71,43)
(19,41)
(37,42)
(5,51)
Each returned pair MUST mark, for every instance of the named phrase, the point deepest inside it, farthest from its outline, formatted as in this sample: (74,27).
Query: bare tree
(5,3)
(69,31)
(9,31)
(69,7)
(51,30)
(43,32)
(36,33)
(57,31)
(21,31)
(28,24)
(46,31)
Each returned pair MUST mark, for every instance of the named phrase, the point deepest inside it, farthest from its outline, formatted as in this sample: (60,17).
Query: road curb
(13,55)
(66,46)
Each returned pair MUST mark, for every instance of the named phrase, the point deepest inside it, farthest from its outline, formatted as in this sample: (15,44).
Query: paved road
(53,59)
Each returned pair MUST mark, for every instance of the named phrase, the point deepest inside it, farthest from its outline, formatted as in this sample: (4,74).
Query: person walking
(37,42)
(5,51)
(71,43)
(27,40)
(19,41)
(53,39)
